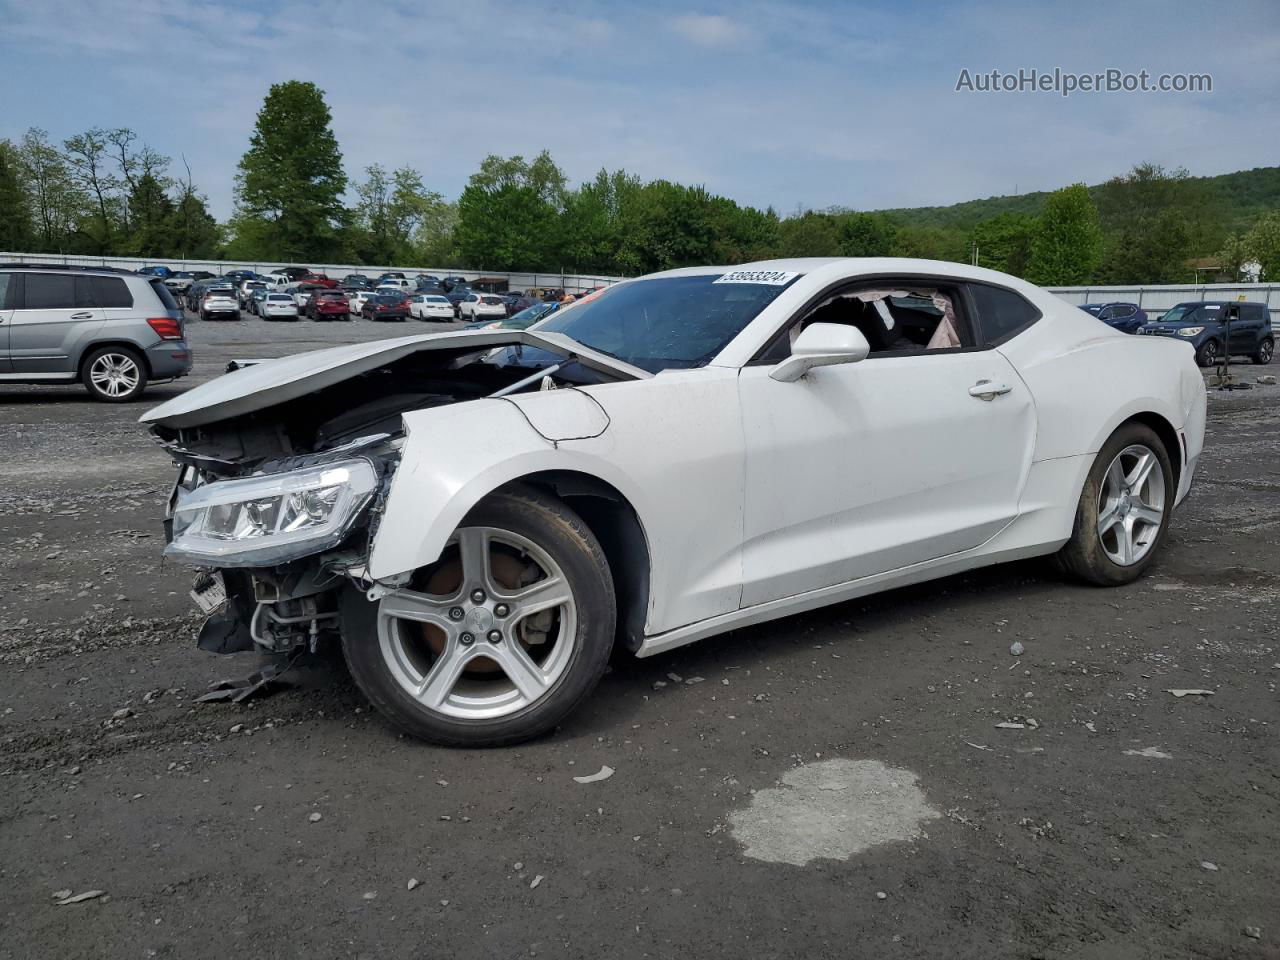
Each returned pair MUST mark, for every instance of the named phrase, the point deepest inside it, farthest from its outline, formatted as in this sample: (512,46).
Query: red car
(328,305)
(385,306)
(319,279)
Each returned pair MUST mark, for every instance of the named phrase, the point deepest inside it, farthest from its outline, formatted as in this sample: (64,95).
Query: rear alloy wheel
(1207,355)
(1265,350)
(500,639)
(1123,510)
(114,374)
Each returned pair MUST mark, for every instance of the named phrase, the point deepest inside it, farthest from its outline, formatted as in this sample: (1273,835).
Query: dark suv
(112,330)
(1204,325)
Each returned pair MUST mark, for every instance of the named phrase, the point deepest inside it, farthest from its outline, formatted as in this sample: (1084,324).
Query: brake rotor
(509,572)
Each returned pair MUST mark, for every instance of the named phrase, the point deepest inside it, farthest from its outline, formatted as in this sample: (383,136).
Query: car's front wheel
(500,639)
(1265,350)
(1207,355)
(114,374)
(1123,510)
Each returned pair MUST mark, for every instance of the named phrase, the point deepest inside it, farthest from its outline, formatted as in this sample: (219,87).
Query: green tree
(1067,243)
(290,180)
(1151,218)
(56,200)
(1004,242)
(150,219)
(509,214)
(15,208)
(866,235)
(90,164)
(809,234)
(1233,255)
(1263,243)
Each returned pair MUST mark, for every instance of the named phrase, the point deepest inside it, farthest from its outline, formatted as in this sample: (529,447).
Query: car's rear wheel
(1207,355)
(114,374)
(1123,511)
(500,639)
(1265,350)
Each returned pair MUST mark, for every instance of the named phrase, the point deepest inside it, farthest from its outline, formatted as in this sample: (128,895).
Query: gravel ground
(1117,821)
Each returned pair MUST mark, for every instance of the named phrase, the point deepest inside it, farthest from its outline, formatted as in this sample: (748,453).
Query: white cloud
(709,29)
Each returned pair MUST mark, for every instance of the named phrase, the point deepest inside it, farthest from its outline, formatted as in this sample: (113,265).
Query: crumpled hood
(276,381)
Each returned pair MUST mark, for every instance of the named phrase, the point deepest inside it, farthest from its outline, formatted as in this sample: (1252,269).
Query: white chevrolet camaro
(482,516)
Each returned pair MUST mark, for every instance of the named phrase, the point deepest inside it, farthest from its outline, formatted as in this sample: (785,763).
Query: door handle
(82,316)
(986,390)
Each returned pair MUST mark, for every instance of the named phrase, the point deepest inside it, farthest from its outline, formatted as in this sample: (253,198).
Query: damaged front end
(285,468)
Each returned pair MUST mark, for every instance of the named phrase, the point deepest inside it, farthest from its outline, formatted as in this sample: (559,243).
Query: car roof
(73,267)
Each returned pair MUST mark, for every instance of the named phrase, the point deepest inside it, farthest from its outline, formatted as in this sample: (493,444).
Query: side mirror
(822,345)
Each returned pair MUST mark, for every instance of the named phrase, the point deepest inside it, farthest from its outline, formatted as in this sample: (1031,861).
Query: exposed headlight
(272,519)
(1190,331)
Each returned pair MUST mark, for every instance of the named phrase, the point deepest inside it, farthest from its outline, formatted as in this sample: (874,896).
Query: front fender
(454,456)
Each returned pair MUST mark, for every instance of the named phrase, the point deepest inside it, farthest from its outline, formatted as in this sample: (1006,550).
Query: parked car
(293,273)
(456,295)
(256,296)
(452,281)
(479,306)
(356,301)
(277,306)
(431,306)
(520,321)
(219,303)
(356,281)
(696,479)
(397,284)
(177,282)
(516,302)
(385,306)
(1125,317)
(162,273)
(1203,324)
(302,293)
(328,305)
(318,280)
(245,291)
(237,277)
(114,331)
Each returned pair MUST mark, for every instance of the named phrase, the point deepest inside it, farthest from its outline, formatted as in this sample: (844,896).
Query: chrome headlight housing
(266,520)
(1190,331)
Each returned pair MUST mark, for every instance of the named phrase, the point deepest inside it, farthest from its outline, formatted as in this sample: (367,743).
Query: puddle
(832,810)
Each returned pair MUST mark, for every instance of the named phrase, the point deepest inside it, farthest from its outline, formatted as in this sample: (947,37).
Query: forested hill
(1239,197)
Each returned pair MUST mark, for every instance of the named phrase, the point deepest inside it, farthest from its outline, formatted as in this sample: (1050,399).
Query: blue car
(1125,317)
(1204,325)
(163,273)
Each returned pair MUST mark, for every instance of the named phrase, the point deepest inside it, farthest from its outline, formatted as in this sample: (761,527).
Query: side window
(1002,314)
(114,292)
(1125,311)
(50,291)
(1255,312)
(898,317)
(1107,313)
(5,287)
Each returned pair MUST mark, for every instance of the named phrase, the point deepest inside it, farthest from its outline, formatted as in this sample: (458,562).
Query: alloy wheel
(115,374)
(484,633)
(1131,505)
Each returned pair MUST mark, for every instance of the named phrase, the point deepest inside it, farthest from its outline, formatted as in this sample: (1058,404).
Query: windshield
(1192,313)
(667,322)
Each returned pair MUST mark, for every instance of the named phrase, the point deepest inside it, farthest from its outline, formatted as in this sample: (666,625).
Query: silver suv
(112,330)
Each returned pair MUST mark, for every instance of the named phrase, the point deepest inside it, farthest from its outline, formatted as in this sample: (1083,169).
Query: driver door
(862,468)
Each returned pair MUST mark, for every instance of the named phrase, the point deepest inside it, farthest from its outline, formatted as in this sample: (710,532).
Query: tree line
(104,192)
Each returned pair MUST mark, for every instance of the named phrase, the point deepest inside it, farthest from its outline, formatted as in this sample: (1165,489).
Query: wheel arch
(129,345)
(616,524)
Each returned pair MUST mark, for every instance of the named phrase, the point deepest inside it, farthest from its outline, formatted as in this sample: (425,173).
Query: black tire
(562,534)
(1265,351)
(1084,556)
(123,368)
(1207,355)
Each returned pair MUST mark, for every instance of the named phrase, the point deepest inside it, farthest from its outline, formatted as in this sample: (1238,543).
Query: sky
(773,103)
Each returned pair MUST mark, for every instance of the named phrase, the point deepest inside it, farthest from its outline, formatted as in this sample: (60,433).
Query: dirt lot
(1123,822)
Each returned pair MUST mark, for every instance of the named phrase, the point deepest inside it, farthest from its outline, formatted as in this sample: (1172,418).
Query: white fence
(1157,299)
(571,282)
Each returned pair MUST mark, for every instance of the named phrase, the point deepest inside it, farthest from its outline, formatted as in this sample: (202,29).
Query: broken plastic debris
(536,880)
(82,897)
(1010,725)
(1190,693)
(413,882)
(1154,753)
(604,774)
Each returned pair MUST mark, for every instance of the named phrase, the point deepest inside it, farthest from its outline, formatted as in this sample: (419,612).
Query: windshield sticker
(773,278)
